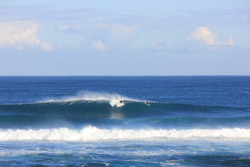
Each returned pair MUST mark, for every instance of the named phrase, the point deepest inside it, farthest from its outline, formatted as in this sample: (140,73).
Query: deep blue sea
(125,121)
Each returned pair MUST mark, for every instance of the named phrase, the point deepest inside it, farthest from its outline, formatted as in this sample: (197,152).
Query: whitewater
(95,134)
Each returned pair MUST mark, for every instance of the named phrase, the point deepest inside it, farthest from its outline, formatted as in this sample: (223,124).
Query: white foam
(95,134)
(115,100)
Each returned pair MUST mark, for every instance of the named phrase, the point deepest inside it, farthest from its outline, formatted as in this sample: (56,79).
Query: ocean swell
(127,109)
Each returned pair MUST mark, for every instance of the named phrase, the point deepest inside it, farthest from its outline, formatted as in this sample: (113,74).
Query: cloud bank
(20,35)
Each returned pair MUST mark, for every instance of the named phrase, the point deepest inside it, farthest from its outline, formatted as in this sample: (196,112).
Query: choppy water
(125,121)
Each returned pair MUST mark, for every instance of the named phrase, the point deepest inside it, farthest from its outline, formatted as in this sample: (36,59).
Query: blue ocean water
(125,121)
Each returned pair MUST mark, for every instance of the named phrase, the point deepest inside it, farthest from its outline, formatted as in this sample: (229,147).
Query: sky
(124,38)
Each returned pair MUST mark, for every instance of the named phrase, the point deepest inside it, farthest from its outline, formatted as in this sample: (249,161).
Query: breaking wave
(95,134)
(114,110)
(103,105)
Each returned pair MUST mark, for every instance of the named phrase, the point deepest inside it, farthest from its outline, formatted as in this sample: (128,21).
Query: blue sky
(143,37)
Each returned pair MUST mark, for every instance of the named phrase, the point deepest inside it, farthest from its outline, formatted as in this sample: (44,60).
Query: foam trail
(95,134)
(114,98)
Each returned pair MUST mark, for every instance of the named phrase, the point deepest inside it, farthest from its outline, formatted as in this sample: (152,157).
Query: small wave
(95,134)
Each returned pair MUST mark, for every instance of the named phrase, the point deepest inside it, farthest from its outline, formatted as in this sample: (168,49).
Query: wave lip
(95,134)
(115,100)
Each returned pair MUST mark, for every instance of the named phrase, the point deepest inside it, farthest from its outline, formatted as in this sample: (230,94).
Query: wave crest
(115,100)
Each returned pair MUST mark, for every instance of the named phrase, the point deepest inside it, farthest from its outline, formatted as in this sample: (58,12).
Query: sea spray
(115,100)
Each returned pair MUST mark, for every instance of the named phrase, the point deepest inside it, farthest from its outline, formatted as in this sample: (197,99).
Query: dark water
(125,121)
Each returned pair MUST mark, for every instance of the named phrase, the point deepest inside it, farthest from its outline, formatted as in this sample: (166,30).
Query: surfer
(121,101)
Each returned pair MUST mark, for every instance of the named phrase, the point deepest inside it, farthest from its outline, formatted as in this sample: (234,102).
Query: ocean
(125,121)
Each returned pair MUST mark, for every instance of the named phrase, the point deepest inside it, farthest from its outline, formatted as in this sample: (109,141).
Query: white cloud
(99,45)
(21,34)
(208,37)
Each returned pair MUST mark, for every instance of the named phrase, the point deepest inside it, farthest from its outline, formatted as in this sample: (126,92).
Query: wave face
(117,111)
(104,105)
